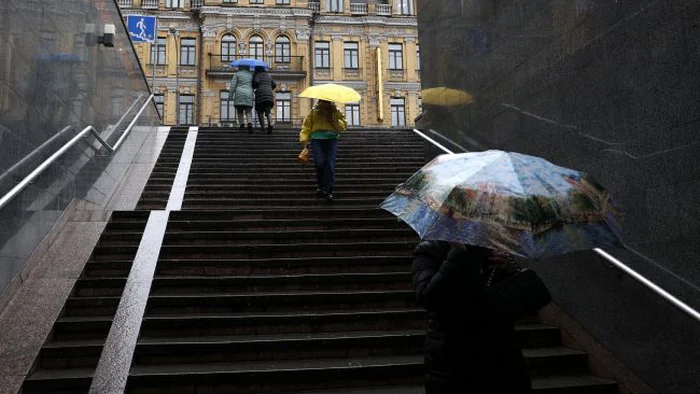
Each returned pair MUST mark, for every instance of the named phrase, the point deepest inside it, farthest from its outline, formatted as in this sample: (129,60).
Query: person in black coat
(467,350)
(264,87)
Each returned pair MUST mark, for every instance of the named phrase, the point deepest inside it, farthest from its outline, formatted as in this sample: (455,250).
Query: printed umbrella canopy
(519,204)
(445,97)
(332,92)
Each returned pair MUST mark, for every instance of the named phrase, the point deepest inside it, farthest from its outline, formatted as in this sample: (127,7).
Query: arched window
(228,48)
(256,48)
(282,50)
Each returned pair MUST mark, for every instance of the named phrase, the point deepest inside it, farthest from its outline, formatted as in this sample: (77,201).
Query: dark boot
(250,128)
(269,129)
(242,128)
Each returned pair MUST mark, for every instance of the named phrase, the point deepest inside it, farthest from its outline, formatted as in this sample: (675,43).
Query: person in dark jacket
(466,349)
(264,87)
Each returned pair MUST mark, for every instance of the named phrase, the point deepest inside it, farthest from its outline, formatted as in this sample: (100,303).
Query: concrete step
(285,224)
(227,303)
(184,285)
(99,287)
(301,249)
(284,237)
(289,202)
(321,213)
(283,265)
(297,322)
(91,306)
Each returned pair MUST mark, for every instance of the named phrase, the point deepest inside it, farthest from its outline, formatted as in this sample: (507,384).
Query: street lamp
(175,33)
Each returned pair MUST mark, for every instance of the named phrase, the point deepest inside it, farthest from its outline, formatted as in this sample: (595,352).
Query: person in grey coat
(264,87)
(242,94)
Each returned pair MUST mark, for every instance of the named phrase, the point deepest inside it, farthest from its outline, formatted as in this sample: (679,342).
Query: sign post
(143,29)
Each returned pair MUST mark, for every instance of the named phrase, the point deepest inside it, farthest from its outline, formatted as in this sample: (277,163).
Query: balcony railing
(126,3)
(288,65)
(196,4)
(149,4)
(314,6)
(384,9)
(358,8)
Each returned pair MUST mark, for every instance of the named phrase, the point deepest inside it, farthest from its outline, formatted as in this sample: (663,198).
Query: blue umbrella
(252,63)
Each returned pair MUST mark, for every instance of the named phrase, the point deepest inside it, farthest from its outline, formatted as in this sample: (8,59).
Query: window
(228,48)
(158,51)
(351,52)
(282,50)
(417,58)
(256,48)
(352,114)
(398,112)
(404,7)
(230,1)
(283,2)
(174,3)
(159,99)
(283,107)
(257,1)
(227,111)
(395,57)
(323,54)
(334,5)
(186,109)
(187,51)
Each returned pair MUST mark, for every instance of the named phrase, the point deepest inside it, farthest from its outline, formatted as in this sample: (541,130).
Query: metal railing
(314,6)
(61,151)
(196,4)
(602,253)
(126,3)
(281,64)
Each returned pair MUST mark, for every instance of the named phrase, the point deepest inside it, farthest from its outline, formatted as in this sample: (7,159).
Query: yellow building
(369,45)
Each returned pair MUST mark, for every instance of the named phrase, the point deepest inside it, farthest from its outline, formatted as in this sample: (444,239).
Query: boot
(269,129)
(241,127)
(250,128)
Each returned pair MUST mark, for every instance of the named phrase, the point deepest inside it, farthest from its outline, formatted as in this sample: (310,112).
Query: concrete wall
(612,88)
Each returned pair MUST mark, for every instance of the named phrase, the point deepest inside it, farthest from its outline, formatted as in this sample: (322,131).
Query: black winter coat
(264,87)
(466,350)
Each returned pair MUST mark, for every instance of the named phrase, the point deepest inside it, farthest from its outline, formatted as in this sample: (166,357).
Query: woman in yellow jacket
(321,129)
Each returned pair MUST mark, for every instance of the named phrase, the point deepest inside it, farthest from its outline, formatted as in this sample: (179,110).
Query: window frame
(188,53)
(336,6)
(396,56)
(230,54)
(398,111)
(225,103)
(283,106)
(322,54)
(174,3)
(283,44)
(254,43)
(159,100)
(354,111)
(404,7)
(186,110)
(159,49)
(351,54)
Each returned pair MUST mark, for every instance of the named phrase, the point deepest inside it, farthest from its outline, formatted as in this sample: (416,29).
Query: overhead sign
(142,28)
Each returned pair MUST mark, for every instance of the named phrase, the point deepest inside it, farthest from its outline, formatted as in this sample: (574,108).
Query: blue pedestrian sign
(142,28)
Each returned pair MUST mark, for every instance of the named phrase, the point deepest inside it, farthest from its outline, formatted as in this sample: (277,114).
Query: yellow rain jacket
(316,122)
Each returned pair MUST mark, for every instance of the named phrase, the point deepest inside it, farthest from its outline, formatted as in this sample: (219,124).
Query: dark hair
(329,109)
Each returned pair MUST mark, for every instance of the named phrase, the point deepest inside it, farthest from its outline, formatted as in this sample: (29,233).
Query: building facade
(369,45)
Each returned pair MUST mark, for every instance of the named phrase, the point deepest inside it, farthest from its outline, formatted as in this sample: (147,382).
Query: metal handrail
(607,256)
(60,152)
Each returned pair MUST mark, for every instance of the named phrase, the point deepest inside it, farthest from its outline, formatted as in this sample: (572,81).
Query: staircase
(261,287)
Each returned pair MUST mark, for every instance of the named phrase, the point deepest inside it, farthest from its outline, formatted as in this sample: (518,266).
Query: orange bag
(304,155)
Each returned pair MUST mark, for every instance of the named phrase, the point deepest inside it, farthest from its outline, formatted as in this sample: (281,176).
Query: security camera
(107,39)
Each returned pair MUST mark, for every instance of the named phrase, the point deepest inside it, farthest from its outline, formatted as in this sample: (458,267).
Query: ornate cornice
(367,20)
(252,11)
(408,86)
(361,85)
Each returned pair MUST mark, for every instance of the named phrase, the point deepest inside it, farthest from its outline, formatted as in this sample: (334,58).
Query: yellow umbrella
(446,97)
(332,92)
